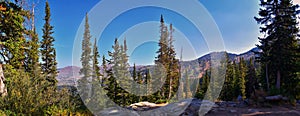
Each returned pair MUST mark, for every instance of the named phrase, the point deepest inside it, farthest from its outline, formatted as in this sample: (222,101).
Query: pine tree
(96,68)
(149,85)
(205,81)
(12,34)
(86,51)
(49,64)
(32,59)
(227,92)
(242,82)
(86,59)
(118,74)
(32,52)
(174,66)
(123,71)
(166,58)
(140,81)
(278,20)
(236,76)
(251,81)
(162,57)
(134,73)
(104,70)
(97,98)
(134,98)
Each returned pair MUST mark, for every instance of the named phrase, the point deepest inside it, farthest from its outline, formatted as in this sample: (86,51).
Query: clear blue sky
(233,17)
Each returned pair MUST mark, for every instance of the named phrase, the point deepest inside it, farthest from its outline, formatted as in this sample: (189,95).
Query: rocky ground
(190,107)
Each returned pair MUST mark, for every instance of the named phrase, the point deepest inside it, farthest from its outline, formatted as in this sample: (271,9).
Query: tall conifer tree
(86,59)
(166,58)
(49,64)
(242,82)
(279,46)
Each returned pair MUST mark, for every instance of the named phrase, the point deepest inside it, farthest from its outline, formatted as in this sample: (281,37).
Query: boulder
(143,106)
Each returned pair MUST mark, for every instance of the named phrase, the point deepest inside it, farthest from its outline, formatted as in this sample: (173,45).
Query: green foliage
(160,101)
(25,95)
(12,26)
(199,94)
(29,97)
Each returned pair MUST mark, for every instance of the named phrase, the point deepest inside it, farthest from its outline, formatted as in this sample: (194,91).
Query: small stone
(213,110)
(233,111)
(222,104)
(252,110)
(222,109)
(232,105)
(215,106)
(285,98)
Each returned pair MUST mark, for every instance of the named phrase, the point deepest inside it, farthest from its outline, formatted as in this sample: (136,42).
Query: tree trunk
(170,89)
(267,78)
(278,80)
(3,91)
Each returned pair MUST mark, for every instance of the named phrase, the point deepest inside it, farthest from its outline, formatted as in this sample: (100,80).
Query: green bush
(32,96)
(199,95)
(24,93)
(160,101)
(274,91)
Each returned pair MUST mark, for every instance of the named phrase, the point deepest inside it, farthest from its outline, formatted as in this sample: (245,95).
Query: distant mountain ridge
(68,75)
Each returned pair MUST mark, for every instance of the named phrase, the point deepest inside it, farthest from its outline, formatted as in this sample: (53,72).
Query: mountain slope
(69,74)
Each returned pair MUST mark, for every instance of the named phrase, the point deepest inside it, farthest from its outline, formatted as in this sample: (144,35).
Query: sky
(140,27)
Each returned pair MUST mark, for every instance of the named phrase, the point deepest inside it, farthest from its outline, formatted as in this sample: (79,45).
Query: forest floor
(273,110)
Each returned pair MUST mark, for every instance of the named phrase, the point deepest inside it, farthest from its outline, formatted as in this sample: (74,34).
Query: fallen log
(274,98)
